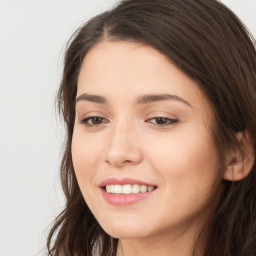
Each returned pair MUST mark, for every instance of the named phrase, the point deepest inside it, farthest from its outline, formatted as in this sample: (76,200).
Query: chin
(124,230)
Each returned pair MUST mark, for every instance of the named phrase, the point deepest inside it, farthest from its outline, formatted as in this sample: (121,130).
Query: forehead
(128,69)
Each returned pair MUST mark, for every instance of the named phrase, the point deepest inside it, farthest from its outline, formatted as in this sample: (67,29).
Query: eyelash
(85,121)
(168,121)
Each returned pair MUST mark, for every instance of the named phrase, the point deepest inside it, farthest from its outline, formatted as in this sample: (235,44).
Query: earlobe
(240,161)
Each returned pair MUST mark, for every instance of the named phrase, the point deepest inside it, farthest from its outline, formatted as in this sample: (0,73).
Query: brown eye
(162,121)
(93,121)
(96,120)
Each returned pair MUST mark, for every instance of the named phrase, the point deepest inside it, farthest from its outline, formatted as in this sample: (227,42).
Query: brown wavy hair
(209,43)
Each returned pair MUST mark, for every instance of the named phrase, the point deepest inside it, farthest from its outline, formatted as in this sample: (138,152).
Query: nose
(123,147)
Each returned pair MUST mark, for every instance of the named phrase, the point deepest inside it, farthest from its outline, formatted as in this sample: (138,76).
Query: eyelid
(84,121)
(90,114)
(171,121)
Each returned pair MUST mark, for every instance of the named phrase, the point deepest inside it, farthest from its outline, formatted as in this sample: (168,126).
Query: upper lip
(123,181)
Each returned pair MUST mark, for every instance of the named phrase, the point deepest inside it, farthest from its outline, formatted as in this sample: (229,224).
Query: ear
(240,162)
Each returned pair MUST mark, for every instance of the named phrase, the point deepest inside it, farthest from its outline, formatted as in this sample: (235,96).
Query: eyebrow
(144,99)
(92,98)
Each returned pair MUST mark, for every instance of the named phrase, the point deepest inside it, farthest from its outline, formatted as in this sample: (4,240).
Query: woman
(159,101)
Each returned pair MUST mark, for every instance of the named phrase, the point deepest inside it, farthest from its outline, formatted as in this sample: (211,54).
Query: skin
(129,142)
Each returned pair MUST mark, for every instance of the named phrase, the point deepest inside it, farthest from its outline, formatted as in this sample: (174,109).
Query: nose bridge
(122,147)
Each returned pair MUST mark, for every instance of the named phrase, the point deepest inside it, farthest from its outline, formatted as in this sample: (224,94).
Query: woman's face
(142,149)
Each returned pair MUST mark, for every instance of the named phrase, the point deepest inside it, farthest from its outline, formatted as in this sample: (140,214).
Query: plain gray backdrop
(33,34)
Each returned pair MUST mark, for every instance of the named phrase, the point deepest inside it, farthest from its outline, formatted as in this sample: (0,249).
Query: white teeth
(118,189)
(143,189)
(150,188)
(128,189)
(135,188)
(112,188)
(108,188)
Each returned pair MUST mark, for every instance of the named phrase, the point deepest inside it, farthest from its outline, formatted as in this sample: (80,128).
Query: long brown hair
(205,40)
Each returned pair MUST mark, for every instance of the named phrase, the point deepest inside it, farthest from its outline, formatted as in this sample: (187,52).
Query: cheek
(85,156)
(189,177)
(186,162)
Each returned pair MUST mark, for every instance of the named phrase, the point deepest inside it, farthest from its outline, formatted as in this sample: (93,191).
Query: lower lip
(121,199)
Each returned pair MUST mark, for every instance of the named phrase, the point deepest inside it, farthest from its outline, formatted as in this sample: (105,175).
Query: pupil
(161,120)
(97,120)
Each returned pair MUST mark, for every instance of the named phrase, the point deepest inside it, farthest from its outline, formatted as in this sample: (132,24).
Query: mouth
(127,194)
(127,189)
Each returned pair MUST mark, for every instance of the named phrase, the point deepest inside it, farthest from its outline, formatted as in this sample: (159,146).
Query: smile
(128,189)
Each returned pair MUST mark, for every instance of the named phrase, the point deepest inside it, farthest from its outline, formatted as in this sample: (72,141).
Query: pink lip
(123,181)
(122,199)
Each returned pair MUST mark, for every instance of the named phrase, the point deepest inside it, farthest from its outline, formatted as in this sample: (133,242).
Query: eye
(93,121)
(162,121)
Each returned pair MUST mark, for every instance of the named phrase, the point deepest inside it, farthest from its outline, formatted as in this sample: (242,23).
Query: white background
(32,38)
